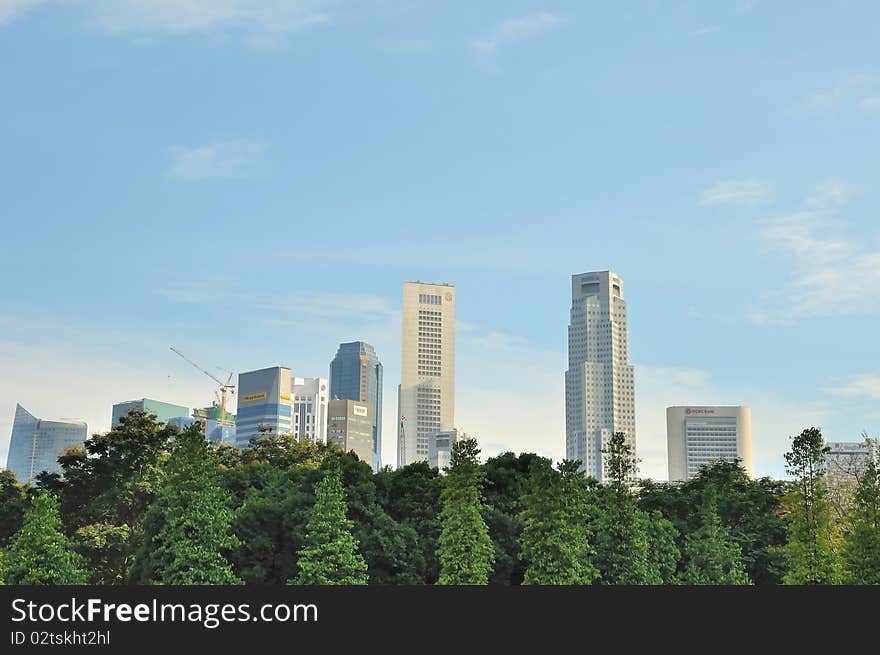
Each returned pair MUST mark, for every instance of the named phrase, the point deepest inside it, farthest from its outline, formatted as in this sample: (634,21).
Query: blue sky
(252,181)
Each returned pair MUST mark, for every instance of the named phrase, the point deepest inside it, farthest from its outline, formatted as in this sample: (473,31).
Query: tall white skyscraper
(600,381)
(426,396)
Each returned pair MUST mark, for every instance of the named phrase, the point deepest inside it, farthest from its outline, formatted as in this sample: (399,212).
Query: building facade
(356,374)
(264,400)
(36,443)
(440,449)
(310,396)
(426,395)
(700,435)
(163,412)
(600,381)
(350,427)
(846,462)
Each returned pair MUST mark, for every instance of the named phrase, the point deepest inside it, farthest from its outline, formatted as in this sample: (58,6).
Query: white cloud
(12,9)
(830,195)
(866,386)
(708,29)
(749,192)
(832,273)
(260,21)
(841,91)
(516,29)
(870,104)
(222,159)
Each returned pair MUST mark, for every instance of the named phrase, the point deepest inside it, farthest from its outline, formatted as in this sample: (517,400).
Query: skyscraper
(600,381)
(36,443)
(263,400)
(699,435)
(426,396)
(310,397)
(356,374)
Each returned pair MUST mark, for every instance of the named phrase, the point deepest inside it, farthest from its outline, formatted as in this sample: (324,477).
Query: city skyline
(502,148)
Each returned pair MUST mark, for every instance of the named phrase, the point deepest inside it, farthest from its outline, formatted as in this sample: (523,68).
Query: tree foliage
(465,549)
(188,528)
(750,509)
(40,553)
(557,527)
(330,555)
(861,547)
(712,554)
(810,553)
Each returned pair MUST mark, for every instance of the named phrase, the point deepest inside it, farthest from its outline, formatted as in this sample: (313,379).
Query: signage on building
(251,397)
(694,410)
(285,396)
(360,410)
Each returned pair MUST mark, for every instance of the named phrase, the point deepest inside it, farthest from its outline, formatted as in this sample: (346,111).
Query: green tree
(465,549)
(330,555)
(663,550)
(861,546)
(13,502)
(508,480)
(713,556)
(749,509)
(622,539)
(809,553)
(411,496)
(40,553)
(106,488)
(556,530)
(188,527)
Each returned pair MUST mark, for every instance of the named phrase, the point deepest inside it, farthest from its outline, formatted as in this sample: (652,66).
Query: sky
(252,181)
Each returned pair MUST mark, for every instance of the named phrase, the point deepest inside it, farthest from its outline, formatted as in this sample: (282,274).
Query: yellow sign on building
(251,397)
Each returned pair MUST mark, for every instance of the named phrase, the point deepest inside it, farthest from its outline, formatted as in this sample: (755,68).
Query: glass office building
(356,374)
(163,412)
(36,443)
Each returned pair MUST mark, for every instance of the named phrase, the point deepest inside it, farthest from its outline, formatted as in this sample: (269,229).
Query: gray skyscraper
(600,381)
(36,443)
(356,374)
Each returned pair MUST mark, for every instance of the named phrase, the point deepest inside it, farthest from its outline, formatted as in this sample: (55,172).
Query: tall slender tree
(557,518)
(622,540)
(330,555)
(465,550)
(810,553)
(40,554)
(861,547)
(188,527)
(713,556)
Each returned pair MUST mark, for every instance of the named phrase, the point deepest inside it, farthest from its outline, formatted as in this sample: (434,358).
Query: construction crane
(226,388)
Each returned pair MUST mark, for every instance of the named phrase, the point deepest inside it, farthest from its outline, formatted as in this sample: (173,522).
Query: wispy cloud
(842,91)
(12,9)
(870,104)
(222,159)
(867,386)
(517,29)
(749,192)
(708,29)
(257,22)
(832,273)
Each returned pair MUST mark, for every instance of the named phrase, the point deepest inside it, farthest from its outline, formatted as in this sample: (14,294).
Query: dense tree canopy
(145,503)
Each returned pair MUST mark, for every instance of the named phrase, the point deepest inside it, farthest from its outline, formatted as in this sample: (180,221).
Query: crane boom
(225,387)
(210,375)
